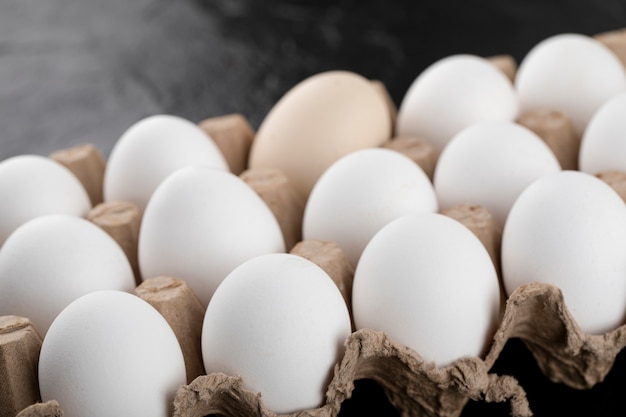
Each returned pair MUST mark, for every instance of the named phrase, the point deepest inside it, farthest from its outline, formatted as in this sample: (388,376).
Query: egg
(602,147)
(150,150)
(109,353)
(571,73)
(489,164)
(51,260)
(279,322)
(569,229)
(453,93)
(202,222)
(361,192)
(33,185)
(317,121)
(429,284)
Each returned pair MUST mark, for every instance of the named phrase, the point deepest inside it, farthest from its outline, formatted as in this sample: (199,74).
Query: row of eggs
(568,227)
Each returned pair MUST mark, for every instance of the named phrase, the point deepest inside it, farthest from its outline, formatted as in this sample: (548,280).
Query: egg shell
(200,224)
(453,93)
(51,260)
(150,150)
(572,73)
(109,353)
(317,121)
(489,164)
(360,193)
(569,229)
(278,321)
(32,186)
(429,283)
(602,147)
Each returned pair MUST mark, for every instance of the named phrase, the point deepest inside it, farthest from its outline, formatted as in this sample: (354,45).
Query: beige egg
(319,120)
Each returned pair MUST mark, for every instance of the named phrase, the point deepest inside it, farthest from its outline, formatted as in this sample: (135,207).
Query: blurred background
(75,71)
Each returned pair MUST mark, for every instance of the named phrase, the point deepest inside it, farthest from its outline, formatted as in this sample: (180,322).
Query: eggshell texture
(150,150)
(360,193)
(50,261)
(279,321)
(200,224)
(574,74)
(32,186)
(569,229)
(490,164)
(319,120)
(109,353)
(453,93)
(428,282)
(603,147)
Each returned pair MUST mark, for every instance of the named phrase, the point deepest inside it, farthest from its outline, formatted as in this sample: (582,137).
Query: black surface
(75,71)
(84,70)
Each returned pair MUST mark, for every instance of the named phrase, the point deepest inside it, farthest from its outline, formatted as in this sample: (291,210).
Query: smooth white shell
(453,93)
(50,261)
(280,322)
(571,73)
(569,229)
(603,145)
(429,283)
(109,353)
(200,224)
(490,164)
(32,186)
(360,193)
(150,150)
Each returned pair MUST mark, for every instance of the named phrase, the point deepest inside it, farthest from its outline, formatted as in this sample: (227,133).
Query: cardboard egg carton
(535,313)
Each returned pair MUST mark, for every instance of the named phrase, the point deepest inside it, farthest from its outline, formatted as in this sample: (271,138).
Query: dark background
(74,71)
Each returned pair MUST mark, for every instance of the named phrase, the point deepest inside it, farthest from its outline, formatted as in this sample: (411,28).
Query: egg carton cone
(20,344)
(537,314)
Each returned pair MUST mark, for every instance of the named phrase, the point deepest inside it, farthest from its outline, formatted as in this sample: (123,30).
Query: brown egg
(319,120)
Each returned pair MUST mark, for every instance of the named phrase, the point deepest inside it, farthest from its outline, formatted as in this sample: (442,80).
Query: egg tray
(535,313)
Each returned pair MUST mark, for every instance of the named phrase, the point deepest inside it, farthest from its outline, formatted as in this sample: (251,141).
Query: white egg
(360,193)
(33,185)
(429,283)
(280,322)
(150,150)
(571,73)
(200,224)
(453,93)
(109,353)
(569,229)
(603,147)
(490,164)
(50,261)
